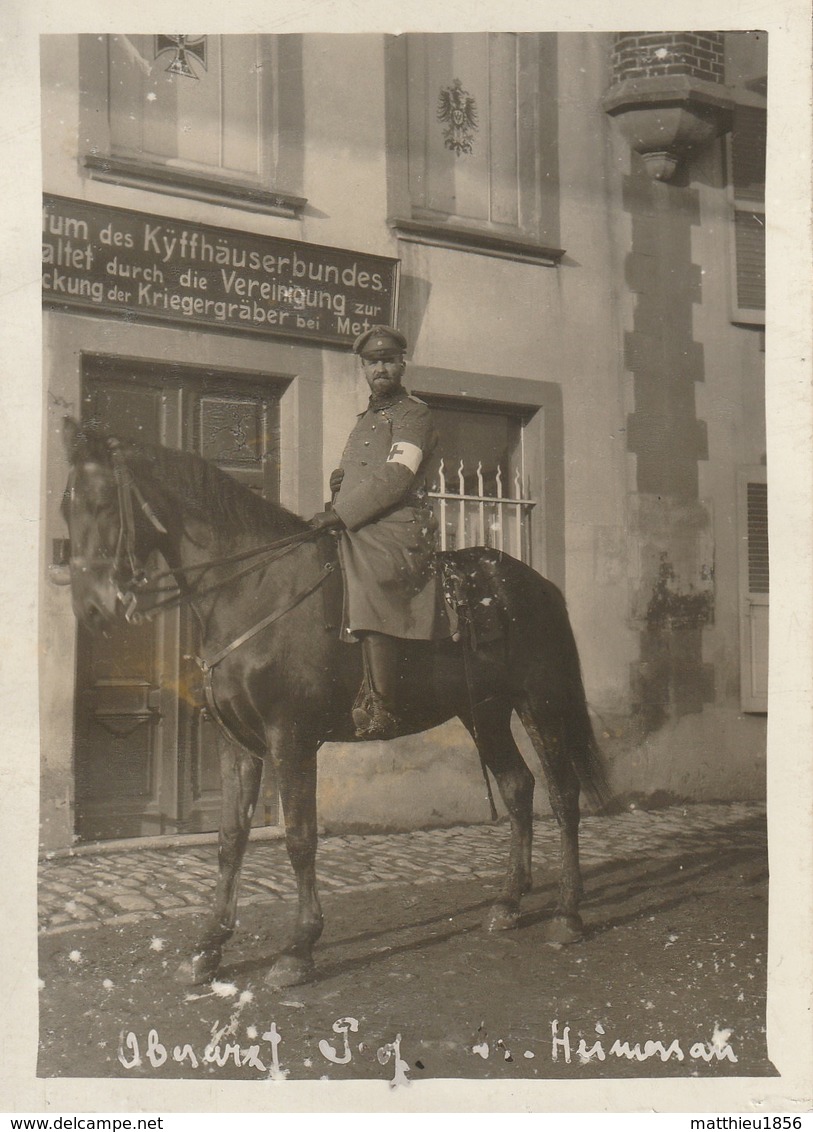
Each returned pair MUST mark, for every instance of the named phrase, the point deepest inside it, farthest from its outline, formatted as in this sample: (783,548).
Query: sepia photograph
(404,586)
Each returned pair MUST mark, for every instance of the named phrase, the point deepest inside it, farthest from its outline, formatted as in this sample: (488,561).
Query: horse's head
(110,538)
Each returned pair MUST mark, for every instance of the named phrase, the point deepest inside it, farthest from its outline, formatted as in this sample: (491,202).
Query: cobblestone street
(114,886)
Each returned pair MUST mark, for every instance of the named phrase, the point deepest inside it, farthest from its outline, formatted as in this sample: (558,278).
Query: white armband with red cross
(410,455)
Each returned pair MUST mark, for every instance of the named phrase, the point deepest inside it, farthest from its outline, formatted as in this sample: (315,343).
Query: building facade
(569,229)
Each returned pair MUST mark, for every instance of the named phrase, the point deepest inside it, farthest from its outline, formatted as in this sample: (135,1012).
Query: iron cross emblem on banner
(184,46)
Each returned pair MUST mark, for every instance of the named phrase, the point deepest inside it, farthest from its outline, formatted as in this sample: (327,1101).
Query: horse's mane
(201,489)
(210,494)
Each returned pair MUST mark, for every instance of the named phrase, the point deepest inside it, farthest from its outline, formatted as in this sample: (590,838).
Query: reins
(265,553)
(127,490)
(140,585)
(207,667)
(275,615)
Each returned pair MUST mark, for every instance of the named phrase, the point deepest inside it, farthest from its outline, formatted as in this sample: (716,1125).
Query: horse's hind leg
(240,774)
(516,785)
(295,760)
(563,789)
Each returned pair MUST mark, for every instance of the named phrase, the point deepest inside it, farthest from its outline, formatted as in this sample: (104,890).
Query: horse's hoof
(201,968)
(502,917)
(290,971)
(564,929)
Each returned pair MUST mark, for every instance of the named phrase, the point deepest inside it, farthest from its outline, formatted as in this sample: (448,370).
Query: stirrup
(373,720)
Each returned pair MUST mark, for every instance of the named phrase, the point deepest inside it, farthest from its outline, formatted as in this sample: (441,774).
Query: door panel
(147,752)
(120,728)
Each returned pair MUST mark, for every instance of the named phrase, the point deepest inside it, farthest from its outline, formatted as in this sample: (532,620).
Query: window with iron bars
(477,481)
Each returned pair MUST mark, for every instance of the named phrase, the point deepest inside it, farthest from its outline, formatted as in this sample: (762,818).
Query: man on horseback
(387,529)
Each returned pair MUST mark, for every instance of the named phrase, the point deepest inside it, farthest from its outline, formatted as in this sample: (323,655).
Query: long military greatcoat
(389,539)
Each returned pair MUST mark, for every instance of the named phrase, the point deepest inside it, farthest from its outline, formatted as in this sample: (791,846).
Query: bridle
(139,583)
(133,582)
(128,491)
(124,558)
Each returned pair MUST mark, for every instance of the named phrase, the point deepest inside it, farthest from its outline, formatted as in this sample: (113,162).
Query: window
(478,480)
(202,115)
(480,166)
(209,119)
(754,587)
(746,66)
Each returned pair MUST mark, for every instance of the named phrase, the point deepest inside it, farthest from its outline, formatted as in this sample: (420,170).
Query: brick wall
(640,54)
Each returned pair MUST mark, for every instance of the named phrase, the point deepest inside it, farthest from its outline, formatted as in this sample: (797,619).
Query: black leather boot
(374,714)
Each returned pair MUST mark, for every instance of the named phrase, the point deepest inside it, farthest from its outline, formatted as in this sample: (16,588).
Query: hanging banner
(114,261)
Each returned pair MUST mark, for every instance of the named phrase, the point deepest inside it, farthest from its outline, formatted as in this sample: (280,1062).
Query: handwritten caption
(263,1053)
(264,1058)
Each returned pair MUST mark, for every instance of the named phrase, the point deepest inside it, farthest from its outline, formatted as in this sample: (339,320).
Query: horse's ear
(70,436)
(84,441)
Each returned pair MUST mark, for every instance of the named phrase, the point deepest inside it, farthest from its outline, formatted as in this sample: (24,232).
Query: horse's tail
(585,754)
(554,677)
(544,668)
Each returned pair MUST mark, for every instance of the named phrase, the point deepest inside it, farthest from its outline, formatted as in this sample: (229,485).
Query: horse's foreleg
(296,767)
(516,785)
(563,789)
(240,775)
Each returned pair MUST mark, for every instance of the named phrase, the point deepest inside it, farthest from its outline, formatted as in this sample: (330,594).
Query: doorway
(146,750)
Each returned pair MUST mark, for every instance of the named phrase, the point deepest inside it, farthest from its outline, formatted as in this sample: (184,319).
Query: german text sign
(115,261)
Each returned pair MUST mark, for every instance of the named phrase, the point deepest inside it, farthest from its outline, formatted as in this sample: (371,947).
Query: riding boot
(375,717)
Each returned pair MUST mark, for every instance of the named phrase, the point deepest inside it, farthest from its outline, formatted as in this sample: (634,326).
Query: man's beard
(384,392)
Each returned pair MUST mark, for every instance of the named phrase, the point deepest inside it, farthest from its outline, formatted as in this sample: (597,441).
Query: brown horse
(282,682)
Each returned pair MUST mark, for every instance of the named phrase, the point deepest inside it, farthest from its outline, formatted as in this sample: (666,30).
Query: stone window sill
(194,185)
(440,234)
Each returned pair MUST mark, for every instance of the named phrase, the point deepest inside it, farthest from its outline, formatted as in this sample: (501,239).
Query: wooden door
(147,753)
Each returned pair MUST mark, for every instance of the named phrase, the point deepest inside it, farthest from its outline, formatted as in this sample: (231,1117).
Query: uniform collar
(385,401)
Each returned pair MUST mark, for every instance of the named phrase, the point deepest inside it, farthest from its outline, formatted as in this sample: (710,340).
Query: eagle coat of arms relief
(458,110)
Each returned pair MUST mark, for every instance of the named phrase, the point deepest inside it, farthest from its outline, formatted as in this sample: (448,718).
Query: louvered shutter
(754,585)
(747,163)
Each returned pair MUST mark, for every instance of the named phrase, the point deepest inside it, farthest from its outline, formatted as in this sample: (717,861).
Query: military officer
(387,529)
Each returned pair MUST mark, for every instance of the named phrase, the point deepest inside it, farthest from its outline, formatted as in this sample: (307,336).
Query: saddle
(471,585)
(476,605)
(473,591)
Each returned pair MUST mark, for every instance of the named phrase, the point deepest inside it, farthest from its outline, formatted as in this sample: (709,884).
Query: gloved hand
(323,520)
(336,477)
